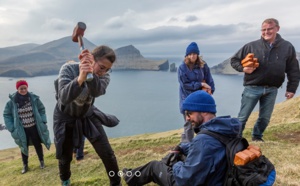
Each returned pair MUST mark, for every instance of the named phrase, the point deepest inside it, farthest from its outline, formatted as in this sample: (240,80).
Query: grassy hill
(281,147)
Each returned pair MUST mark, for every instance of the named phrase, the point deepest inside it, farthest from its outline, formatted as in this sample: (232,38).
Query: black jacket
(274,63)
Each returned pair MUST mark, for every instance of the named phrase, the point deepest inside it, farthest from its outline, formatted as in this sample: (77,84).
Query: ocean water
(144,101)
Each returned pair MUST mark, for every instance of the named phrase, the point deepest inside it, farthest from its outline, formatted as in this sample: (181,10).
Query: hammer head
(78,31)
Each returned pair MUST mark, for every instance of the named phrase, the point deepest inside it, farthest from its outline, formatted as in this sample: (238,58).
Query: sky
(156,28)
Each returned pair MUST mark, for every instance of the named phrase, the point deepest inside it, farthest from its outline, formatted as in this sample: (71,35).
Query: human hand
(86,65)
(206,87)
(2,127)
(176,149)
(249,70)
(289,95)
(173,156)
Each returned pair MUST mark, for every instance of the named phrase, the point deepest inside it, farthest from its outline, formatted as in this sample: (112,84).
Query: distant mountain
(225,67)
(39,60)
(130,58)
(16,50)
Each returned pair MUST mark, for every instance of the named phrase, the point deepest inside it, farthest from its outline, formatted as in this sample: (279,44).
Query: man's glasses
(187,113)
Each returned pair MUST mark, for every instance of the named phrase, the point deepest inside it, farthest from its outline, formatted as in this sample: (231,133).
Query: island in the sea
(29,60)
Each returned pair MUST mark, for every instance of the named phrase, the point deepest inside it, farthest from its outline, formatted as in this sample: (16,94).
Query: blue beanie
(199,101)
(192,48)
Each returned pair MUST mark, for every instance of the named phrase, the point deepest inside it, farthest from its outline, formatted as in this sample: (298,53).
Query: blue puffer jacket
(190,80)
(14,124)
(206,156)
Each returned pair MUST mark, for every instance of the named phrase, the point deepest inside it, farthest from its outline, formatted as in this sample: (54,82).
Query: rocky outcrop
(130,58)
(224,68)
(173,67)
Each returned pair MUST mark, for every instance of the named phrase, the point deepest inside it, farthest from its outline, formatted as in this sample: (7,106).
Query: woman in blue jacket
(193,75)
(25,118)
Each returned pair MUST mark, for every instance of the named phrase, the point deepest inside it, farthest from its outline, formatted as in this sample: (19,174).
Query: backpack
(258,172)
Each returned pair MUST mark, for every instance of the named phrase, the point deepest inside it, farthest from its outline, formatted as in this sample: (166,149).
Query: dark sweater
(274,62)
(76,100)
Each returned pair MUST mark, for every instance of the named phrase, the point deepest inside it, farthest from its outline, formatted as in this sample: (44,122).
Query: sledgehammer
(78,33)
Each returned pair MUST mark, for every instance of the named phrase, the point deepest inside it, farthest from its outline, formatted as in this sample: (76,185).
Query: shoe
(66,183)
(79,160)
(257,139)
(42,164)
(25,169)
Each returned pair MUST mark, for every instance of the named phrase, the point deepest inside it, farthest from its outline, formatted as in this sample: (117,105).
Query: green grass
(281,147)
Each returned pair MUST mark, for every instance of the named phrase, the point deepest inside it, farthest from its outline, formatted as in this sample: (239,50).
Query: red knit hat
(21,82)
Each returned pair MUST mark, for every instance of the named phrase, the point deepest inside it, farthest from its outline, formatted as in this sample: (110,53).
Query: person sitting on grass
(205,162)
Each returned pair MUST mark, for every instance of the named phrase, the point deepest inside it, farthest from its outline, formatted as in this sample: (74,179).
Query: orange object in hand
(250,61)
(249,57)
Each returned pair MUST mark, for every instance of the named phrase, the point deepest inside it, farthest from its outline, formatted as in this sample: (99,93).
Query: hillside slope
(281,146)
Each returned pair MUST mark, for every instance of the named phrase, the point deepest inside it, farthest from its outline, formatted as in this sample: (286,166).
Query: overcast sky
(156,28)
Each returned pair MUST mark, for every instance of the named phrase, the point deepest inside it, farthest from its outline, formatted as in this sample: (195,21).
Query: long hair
(200,62)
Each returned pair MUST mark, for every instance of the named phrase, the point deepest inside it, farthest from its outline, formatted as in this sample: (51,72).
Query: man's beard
(199,122)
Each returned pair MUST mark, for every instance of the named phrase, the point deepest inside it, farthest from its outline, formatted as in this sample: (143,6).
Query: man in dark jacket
(75,115)
(276,57)
(205,162)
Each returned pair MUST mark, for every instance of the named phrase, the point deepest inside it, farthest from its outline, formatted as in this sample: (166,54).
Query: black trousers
(154,171)
(32,137)
(102,148)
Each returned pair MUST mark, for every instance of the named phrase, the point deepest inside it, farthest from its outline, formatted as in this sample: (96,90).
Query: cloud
(191,18)
(163,28)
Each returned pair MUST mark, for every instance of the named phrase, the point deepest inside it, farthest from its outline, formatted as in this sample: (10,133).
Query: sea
(143,101)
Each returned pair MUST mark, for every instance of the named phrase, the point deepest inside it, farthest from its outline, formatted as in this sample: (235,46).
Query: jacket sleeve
(208,78)
(198,164)
(186,83)
(8,116)
(236,59)
(98,85)
(185,148)
(41,110)
(292,71)
(68,87)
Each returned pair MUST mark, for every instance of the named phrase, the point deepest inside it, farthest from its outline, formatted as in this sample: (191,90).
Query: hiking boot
(25,169)
(66,183)
(257,139)
(42,164)
(79,160)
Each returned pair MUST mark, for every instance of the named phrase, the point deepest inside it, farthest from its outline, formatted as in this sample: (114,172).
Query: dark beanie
(192,48)
(199,101)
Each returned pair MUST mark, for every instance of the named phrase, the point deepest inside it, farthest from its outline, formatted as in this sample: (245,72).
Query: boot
(25,168)
(66,183)
(42,164)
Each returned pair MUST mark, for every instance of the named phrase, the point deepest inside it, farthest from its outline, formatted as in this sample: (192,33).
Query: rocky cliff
(39,60)
(130,58)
